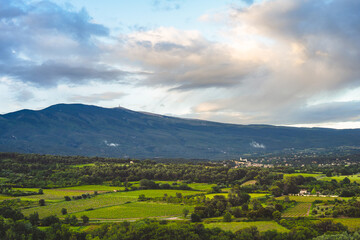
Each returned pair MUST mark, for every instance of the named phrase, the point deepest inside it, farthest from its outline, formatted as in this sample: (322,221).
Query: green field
(92,188)
(353,178)
(250,182)
(53,194)
(2,179)
(201,186)
(252,195)
(300,210)
(235,226)
(211,196)
(315,175)
(226,190)
(103,200)
(136,210)
(352,223)
(83,165)
(78,205)
(3,197)
(258,195)
(307,199)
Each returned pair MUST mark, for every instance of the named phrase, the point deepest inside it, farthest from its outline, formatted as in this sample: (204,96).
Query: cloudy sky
(282,62)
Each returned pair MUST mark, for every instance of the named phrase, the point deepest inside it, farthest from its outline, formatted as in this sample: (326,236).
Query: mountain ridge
(79,129)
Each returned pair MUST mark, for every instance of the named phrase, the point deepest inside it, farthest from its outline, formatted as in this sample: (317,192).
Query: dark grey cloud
(50,73)
(327,112)
(47,15)
(43,43)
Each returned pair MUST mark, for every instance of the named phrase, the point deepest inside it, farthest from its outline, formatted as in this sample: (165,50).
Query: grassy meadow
(136,210)
(95,202)
(301,209)
(307,199)
(315,175)
(353,178)
(236,226)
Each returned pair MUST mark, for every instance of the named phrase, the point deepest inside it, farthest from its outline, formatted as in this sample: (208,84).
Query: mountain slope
(75,129)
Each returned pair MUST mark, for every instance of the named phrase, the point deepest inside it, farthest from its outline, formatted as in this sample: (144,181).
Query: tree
(67,198)
(276,215)
(346,180)
(245,207)
(195,217)
(313,192)
(42,202)
(41,191)
(85,219)
(34,219)
(227,217)
(256,205)
(142,197)
(63,211)
(72,220)
(276,191)
(185,212)
(50,220)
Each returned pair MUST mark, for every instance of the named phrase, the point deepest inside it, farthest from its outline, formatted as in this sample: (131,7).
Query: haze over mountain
(76,129)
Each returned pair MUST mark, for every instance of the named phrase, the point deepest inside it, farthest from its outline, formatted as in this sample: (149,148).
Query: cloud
(97,97)
(166,5)
(249,2)
(328,112)
(257,145)
(50,73)
(309,50)
(111,144)
(269,63)
(43,43)
(184,60)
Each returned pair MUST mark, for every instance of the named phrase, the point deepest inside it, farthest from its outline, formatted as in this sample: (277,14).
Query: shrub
(195,217)
(42,202)
(227,217)
(63,211)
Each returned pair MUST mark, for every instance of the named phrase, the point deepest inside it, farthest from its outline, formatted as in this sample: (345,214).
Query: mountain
(76,129)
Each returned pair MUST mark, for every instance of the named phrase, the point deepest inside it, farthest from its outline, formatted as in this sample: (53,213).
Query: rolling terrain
(76,129)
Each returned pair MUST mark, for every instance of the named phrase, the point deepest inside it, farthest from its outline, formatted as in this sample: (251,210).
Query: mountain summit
(76,129)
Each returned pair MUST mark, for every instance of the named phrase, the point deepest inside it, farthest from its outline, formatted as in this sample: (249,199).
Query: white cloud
(257,145)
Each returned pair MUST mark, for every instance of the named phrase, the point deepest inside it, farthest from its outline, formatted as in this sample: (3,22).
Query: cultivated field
(307,199)
(201,186)
(353,178)
(261,225)
(100,201)
(3,197)
(2,179)
(53,194)
(315,175)
(250,182)
(91,188)
(252,195)
(352,223)
(83,165)
(300,210)
(136,210)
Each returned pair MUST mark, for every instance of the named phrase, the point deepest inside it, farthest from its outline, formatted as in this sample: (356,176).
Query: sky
(280,62)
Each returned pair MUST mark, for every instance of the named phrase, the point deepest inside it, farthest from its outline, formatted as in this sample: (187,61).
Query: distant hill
(76,129)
